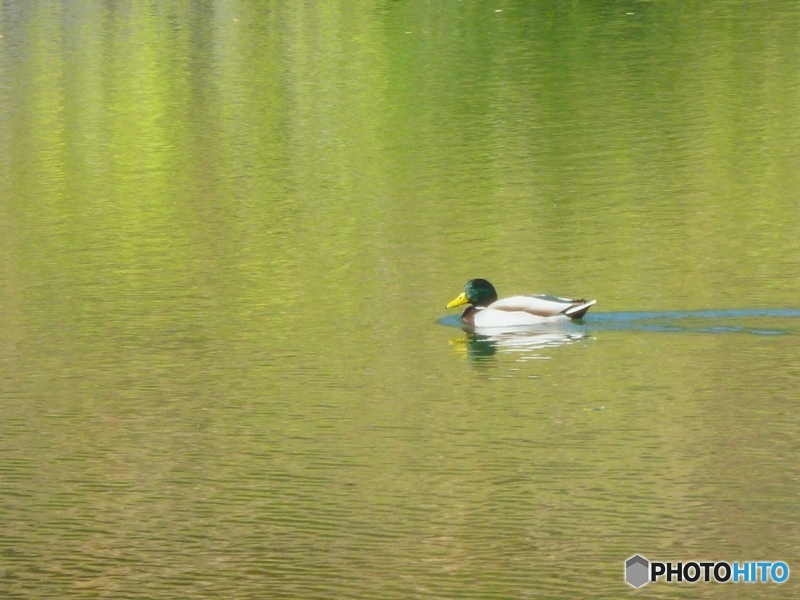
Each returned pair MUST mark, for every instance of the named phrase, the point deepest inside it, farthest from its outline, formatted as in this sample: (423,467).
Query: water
(227,236)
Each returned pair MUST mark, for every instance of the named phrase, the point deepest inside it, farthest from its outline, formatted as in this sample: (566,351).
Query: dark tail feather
(576,311)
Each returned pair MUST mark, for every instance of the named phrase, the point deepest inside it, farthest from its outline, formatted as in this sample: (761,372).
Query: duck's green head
(477,292)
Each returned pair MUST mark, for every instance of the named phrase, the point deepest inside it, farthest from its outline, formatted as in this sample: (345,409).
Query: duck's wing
(544,306)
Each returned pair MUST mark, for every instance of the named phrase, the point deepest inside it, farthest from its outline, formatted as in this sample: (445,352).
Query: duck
(485,310)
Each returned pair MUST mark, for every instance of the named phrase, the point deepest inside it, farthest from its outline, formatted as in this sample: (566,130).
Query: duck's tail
(576,311)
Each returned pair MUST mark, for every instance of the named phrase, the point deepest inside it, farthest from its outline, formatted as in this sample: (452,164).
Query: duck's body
(526,310)
(486,310)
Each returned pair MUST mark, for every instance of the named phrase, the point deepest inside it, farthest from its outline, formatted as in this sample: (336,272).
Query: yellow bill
(462,299)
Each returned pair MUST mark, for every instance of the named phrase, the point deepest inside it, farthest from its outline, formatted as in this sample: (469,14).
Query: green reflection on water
(227,231)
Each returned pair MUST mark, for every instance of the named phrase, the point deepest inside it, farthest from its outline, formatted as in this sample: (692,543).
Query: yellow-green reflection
(227,231)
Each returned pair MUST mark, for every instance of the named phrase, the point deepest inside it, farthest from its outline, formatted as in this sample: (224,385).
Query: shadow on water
(480,344)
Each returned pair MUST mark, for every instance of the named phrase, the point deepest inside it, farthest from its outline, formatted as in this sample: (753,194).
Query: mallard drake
(486,310)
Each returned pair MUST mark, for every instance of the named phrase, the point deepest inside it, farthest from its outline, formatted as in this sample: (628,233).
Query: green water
(228,231)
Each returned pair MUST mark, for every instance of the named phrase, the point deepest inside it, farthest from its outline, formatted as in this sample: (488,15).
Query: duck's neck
(468,316)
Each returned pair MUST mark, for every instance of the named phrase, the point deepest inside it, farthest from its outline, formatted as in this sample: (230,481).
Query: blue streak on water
(659,321)
(695,314)
(664,321)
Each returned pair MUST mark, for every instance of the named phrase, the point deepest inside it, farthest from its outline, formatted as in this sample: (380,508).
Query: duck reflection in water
(478,345)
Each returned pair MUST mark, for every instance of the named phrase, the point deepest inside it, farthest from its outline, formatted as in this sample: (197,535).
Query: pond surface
(228,232)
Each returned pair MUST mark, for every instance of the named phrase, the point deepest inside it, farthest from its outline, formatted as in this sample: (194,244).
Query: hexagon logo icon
(637,571)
